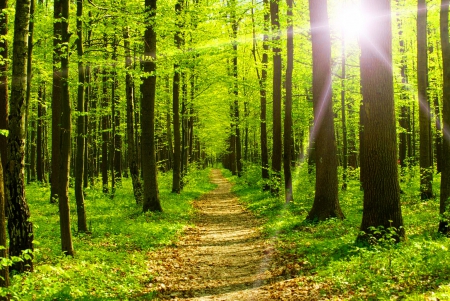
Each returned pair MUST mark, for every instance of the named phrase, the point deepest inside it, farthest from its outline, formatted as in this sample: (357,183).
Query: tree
(20,229)
(288,108)
(326,202)
(176,183)
(4,270)
(3,80)
(426,168)
(129,94)
(445,174)
(378,136)
(81,127)
(276,105)
(65,137)
(148,90)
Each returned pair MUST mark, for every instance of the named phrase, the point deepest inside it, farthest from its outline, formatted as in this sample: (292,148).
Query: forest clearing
(224,150)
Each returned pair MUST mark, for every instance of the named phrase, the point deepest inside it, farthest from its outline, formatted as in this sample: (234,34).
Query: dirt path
(223,257)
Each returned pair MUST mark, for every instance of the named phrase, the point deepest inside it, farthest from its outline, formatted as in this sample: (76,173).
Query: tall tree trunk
(29,131)
(4,270)
(426,168)
(277,151)
(105,134)
(3,80)
(20,229)
(288,107)
(148,89)
(132,155)
(176,180)
(81,127)
(40,135)
(326,202)
(445,174)
(378,138)
(65,138)
(56,99)
(116,118)
(343,115)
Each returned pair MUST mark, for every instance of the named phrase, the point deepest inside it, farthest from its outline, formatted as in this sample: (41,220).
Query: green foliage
(110,262)
(327,252)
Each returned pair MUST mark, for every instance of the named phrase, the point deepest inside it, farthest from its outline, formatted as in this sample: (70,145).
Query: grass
(110,263)
(414,269)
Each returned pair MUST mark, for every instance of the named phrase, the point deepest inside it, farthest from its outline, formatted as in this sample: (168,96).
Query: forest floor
(225,257)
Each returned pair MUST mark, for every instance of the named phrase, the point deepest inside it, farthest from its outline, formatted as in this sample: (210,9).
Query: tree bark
(326,202)
(20,229)
(445,174)
(378,137)
(56,99)
(3,80)
(81,127)
(148,89)
(40,172)
(29,156)
(129,87)
(65,137)
(277,151)
(4,270)
(426,168)
(288,107)
(105,134)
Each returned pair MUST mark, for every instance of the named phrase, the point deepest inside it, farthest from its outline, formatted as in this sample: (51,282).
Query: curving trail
(223,257)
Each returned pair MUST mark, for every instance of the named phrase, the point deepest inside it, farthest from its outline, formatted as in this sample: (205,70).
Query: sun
(349,20)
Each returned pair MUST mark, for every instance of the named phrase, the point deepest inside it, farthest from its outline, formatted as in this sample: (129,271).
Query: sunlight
(349,20)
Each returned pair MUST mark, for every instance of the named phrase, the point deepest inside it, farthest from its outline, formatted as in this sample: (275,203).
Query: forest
(224,150)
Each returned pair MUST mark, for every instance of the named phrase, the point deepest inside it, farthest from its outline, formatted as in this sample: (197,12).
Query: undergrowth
(110,262)
(414,269)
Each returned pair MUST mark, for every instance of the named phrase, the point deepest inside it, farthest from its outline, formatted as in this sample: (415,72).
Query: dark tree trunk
(116,119)
(40,131)
(81,127)
(20,229)
(326,202)
(235,108)
(148,88)
(445,174)
(277,151)
(343,116)
(105,134)
(426,168)
(288,107)
(29,158)
(56,100)
(3,81)
(176,180)
(65,139)
(132,155)
(378,138)
(4,270)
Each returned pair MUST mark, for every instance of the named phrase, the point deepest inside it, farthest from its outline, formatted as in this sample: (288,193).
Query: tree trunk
(277,151)
(426,168)
(343,116)
(4,270)
(445,174)
(56,100)
(326,202)
(20,229)
(40,131)
(79,175)
(378,137)
(116,119)
(3,81)
(288,107)
(176,180)
(132,160)
(148,89)
(105,134)
(65,139)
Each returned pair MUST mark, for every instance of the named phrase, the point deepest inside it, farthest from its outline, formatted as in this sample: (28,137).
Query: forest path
(224,257)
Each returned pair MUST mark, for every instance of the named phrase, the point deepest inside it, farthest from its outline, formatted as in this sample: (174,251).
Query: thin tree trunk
(277,151)
(132,160)
(426,168)
(343,116)
(148,88)
(288,107)
(3,80)
(79,175)
(105,134)
(56,99)
(116,119)
(4,270)
(29,140)
(40,136)
(20,229)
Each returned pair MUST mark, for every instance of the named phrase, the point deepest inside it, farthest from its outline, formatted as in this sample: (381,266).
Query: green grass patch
(111,262)
(411,270)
